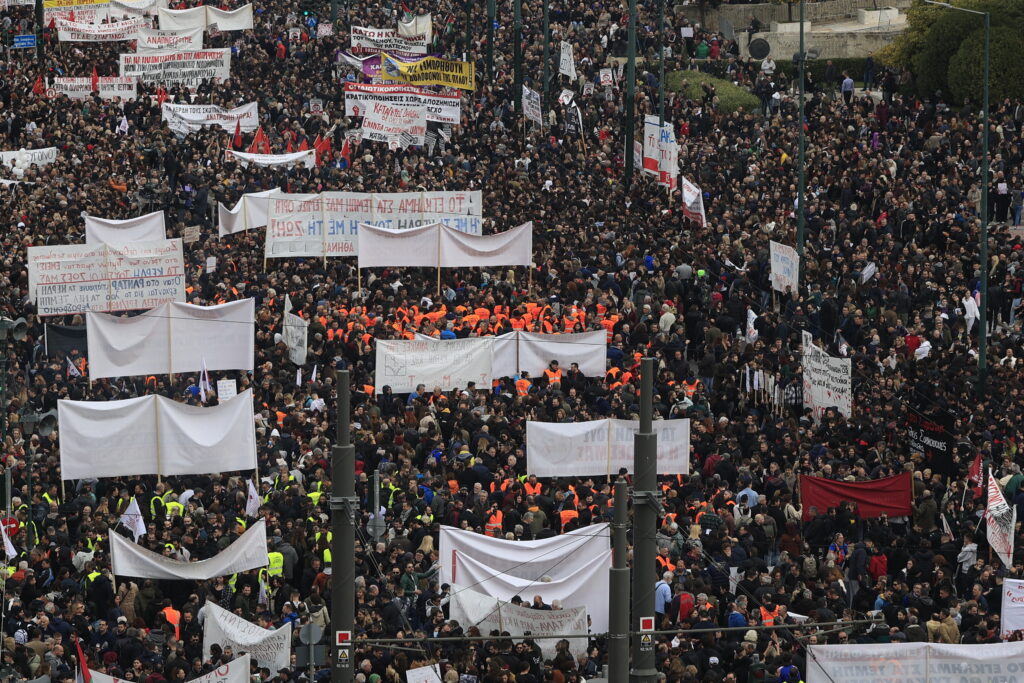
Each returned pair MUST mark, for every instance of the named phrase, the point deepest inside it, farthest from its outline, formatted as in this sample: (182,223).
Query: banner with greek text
(154,40)
(189,69)
(826,380)
(270,649)
(110,87)
(1000,522)
(429,71)
(1012,614)
(250,212)
(187,118)
(389,124)
(440,107)
(77,32)
(85,11)
(66,279)
(566,61)
(914,663)
(532,107)
(136,8)
(419,27)
(370,40)
(146,228)
(307,157)
(785,272)
(693,202)
(295,333)
(235,671)
(451,364)
(206,17)
(29,157)
(249,551)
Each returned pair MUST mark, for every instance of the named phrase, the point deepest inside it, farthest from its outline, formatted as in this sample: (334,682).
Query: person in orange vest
(568,514)
(769,612)
(493,527)
(553,373)
(663,562)
(532,486)
(173,617)
(523,383)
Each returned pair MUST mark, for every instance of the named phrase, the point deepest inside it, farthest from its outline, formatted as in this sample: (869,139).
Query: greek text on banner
(429,71)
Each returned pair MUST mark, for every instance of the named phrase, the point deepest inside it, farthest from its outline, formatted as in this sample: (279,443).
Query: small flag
(323,149)
(132,520)
(312,379)
(288,150)
(83,675)
(95,80)
(72,370)
(236,143)
(975,476)
(304,145)
(252,502)
(204,382)
(298,377)
(38,88)
(161,96)
(122,127)
(8,546)
(346,151)
(260,143)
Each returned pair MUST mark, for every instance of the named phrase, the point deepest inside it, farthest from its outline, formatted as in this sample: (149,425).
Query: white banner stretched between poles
(307,157)
(366,40)
(452,364)
(442,107)
(146,228)
(785,267)
(154,40)
(826,380)
(420,27)
(189,118)
(250,212)
(249,551)
(185,68)
(1012,613)
(914,663)
(206,17)
(588,349)
(270,648)
(109,87)
(77,32)
(235,671)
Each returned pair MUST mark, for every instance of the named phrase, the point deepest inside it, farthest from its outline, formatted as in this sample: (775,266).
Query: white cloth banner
(566,61)
(440,246)
(388,123)
(693,202)
(270,649)
(557,449)
(424,674)
(165,437)
(29,157)
(367,40)
(249,551)
(135,8)
(173,338)
(452,364)
(188,118)
(442,107)
(415,247)
(77,32)
(914,663)
(534,351)
(155,40)
(110,87)
(235,671)
(186,68)
(532,106)
(1000,522)
(785,267)
(249,212)
(85,11)
(83,277)
(472,608)
(146,228)
(1012,614)
(419,27)
(206,17)
(240,19)
(587,586)
(295,333)
(307,157)
(826,380)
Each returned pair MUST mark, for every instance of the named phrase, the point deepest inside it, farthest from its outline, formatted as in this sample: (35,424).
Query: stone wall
(829,45)
(820,12)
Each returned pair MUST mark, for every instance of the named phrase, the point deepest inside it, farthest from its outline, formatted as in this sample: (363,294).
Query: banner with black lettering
(188,118)
(442,107)
(155,40)
(931,434)
(189,69)
(914,662)
(110,87)
(76,32)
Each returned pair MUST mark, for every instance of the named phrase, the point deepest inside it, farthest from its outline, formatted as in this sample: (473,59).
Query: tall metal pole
(618,635)
(469,27)
(547,52)
(492,13)
(645,522)
(39,31)
(801,179)
(630,92)
(661,62)
(983,332)
(334,11)
(517,54)
(343,511)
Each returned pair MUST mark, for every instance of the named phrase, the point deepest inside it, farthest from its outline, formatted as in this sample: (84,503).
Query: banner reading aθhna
(429,71)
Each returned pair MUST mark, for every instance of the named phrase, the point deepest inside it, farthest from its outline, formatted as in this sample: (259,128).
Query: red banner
(889,496)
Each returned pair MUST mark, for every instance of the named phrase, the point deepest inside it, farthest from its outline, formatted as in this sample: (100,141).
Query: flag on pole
(161,96)
(975,477)
(83,675)
(38,88)
(252,502)
(346,152)
(260,143)
(236,142)
(8,546)
(95,80)
(72,370)
(312,379)
(132,520)
(204,382)
(1000,520)
(298,377)
(122,126)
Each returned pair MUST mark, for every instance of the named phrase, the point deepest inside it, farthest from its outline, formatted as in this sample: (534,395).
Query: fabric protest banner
(77,32)
(249,212)
(588,349)
(235,671)
(146,228)
(295,333)
(652,133)
(560,449)
(76,278)
(453,364)
(84,11)
(420,26)
(931,432)
(307,157)
(566,61)
(443,107)
(429,71)
(383,248)
(785,267)
(61,340)
(587,587)
(177,67)
(826,380)
(249,551)
(512,247)
(136,8)
(532,106)
(472,608)
(693,202)
(206,17)
(424,674)
(172,338)
(387,123)
(155,40)
(1012,613)
(1000,521)
(166,437)
(29,157)
(296,228)
(892,496)
(188,118)
(270,649)
(914,663)
(109,87)
(240,19)
(367,40)
(668,158)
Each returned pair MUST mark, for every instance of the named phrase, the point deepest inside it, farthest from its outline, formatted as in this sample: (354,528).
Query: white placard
(826,380)
(785,268)
(566,61)
(178,68)
(211,264)
(367,40)
(606,77)
(295,331)
(110,87)
(79,278)
(419,27)
(452,364)
(270,649)
(1012,614)
(388,123)
(442,107)
(188,118)
(226,388)
(532,107)
(424,674)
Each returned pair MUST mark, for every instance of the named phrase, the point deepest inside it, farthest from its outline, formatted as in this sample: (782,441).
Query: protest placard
(442,107)
(826,380)
(177,68)
(367,40)
(187,118)
(110,87)
(77,32)
(785,272)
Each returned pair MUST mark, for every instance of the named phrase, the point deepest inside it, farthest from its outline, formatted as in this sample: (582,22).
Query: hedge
(730,97)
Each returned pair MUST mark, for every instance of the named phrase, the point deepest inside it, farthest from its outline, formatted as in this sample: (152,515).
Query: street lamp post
(801,187)
(983,238)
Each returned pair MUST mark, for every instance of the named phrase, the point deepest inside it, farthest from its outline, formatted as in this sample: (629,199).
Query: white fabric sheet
(270,648)
(386,248)
(235,671)
(589,349)
(249,551)
(403,364)
(308,157)
(510,248)
(914,663)
(250,212)
(140,229)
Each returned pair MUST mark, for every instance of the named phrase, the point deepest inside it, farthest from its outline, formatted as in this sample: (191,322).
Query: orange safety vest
(665,564)
(493,526)
(174,618)
(566,515)
(691,388)
(532,489)
(522,386)
(768,618)
(553,376)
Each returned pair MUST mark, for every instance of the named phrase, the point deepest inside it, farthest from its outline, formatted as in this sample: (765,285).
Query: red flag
(53,23)
(260,143)
(161,96)
(83,675)
(323,149)
(237,141)
(95,80)
(304,145)
(289,149)
(38,88)
(888,496)
(346,152)
(975,476)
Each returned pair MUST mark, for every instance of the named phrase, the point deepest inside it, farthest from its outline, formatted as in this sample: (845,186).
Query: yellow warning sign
(343,656)
(645,640)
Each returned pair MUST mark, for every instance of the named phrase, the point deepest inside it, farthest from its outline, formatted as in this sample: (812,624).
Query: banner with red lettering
(891,496)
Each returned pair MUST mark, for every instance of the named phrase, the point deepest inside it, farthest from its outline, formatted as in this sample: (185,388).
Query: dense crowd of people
(891,279)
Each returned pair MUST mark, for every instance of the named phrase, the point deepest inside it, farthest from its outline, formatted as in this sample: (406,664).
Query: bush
(852,65)
(1006,70)
(730,97)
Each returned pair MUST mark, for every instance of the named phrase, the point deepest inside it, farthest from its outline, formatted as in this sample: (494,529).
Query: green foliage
(967,66)
(730,97)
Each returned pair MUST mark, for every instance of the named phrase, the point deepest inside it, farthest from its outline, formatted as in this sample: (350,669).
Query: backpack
(878,565)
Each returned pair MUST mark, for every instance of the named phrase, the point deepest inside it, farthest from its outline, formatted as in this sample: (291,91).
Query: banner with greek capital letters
(270,649)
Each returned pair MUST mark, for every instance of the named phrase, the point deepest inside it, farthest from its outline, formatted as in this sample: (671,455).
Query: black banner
(61,340)
(932,434)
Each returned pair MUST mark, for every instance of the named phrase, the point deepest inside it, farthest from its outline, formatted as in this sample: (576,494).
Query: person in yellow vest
(174,509)
(275,565)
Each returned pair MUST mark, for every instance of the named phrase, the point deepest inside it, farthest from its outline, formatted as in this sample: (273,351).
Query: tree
(967,67)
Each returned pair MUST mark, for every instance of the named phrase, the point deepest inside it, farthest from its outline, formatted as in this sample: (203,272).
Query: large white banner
(1000,522)
(82,277)
(135,8)
(565,449)
(1012,614)
(172,338)
(420,27)
(402,126)
(235,671)
(415,247)
(509,248)
(661,153)
(178,68)
(307,157)
(914,663)
(165,437)
(110,87)
(588,349)
(693,201)
(451,364)
(146,228)
(472,608)
(785,273)
(187,118)
(206,17)
(85,11)
(295,331)
(370,40)
(443,107)
(566,61)
(532,107)
(249,551)
(154,40)
(251,211)
(77,32)
(270,649)
(826,380)
(29,157)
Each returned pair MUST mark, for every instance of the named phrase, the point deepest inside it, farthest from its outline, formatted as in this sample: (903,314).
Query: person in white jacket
(971,312)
